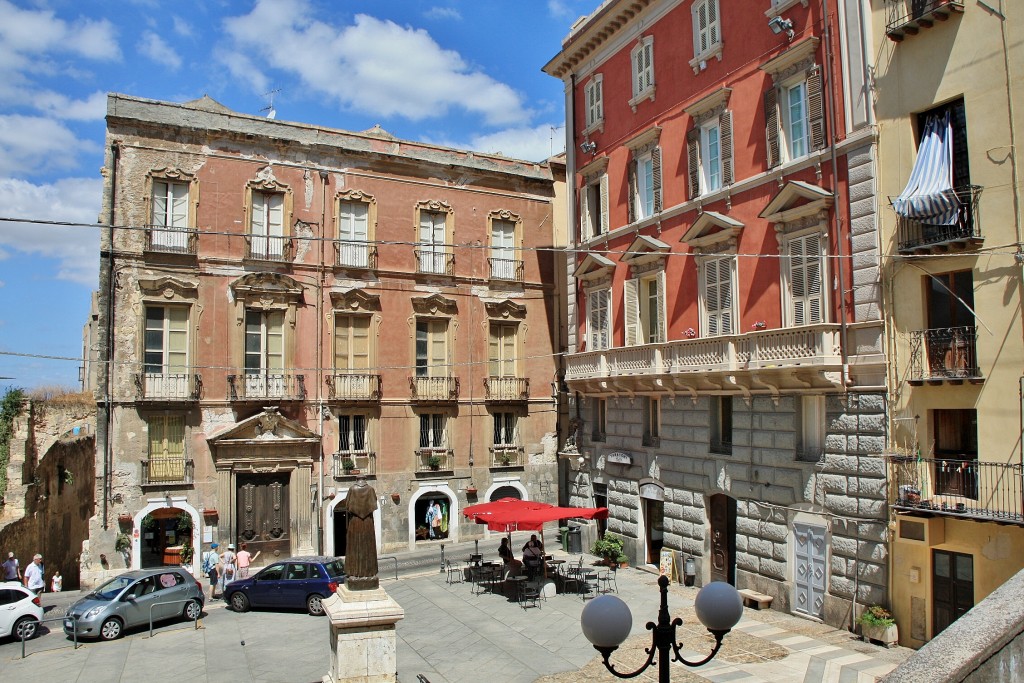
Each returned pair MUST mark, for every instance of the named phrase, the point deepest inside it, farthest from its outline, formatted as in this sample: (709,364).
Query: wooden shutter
(597,319)
(632,310)
(718,295)
(805,279)
(702,27)
(633,200)
(656,177)
(604,203)
(360,342)
(725,145)
(179,205)
(638,70)
(275,340)
(438,348)
(275,214)
(660,331)
(693,161)
(259,214)
(771,120)
(815,108)
(177,339)
(712,31)
(585,223)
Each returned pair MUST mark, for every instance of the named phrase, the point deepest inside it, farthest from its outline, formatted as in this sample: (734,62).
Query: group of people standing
(34,576)
(223,568)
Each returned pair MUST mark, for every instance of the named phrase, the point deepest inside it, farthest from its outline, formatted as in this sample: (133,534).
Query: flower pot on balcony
(470,490)
(124,518)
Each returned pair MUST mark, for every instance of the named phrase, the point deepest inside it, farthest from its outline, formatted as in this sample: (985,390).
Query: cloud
(559,8)
(70,200)
(443,13)
(181,27)
(92,108)
(528,143)
(372,66)
(153,46)
(31,145)
(25,35)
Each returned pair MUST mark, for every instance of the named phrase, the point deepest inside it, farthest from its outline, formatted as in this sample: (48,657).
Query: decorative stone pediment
(355,300)
(170,287)
(797,58)
(709,106)
(593,169)
(267,426)
(355,196)
(796,202)
(270,288)
(712,228)
(645,141)
(645,249)
(435,205)
(505,309)
(595,267)
(173,174)
(435,304)
(266,181)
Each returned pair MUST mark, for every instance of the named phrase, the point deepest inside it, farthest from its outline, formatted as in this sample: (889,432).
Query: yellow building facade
(948,101)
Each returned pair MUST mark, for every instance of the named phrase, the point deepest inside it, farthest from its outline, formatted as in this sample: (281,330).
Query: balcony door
(956,452)
(951,327)
(952,588)
(264,353)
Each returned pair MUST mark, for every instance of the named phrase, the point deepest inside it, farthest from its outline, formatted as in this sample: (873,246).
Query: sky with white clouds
(463,73)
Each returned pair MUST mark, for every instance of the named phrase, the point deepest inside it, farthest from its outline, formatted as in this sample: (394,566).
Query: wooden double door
(263,519)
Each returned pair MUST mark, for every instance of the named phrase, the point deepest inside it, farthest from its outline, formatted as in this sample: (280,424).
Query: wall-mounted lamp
(588,147)
(778,25)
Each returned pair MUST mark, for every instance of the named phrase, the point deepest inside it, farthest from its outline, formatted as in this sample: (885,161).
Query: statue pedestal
(364,646)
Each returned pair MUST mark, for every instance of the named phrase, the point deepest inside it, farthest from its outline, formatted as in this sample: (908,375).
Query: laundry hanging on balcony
(929,196)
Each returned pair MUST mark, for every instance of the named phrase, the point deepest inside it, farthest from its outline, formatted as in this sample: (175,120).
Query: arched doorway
(339,522)
(505,491)
(432,513)
(175,527)
(335,527)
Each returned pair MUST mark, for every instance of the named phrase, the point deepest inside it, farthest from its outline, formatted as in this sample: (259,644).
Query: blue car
(298,582)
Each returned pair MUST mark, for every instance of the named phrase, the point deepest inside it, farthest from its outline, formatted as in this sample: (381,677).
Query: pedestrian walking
(244,558)
(11,568)
(34,573)
(228,566)
(211,563)
(57,582)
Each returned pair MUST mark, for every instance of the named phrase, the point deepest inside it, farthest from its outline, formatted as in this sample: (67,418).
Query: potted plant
(434,462)
(877,623)
(506,459)
(471,489)
(609,549)
(396,497)
(348,465)
(123,545)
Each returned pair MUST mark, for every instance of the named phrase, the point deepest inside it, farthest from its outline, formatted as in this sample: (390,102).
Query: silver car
(132,599)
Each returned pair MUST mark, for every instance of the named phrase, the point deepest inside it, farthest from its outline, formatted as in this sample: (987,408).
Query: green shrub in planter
(609,548)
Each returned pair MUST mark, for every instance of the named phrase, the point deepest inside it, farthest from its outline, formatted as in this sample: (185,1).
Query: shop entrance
(431,517)
(340,521)
(166,533)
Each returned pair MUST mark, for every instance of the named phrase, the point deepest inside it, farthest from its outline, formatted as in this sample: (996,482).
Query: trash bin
(574,541)
(563,532)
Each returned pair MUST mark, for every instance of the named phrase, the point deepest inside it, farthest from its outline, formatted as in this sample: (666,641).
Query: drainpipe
(108,363)
(570,240)
(317,506)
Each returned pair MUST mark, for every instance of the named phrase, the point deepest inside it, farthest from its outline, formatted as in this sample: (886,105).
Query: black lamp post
(607,621)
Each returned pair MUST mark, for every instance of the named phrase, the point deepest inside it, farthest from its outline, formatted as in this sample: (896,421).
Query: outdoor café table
(588,581)
(518,584)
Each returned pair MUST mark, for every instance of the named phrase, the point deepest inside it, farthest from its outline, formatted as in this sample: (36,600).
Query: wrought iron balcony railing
(353,463)
(168,386)
(354,254)
(435,459)
(908,17)
(269,248)
(957,485)
(506,389)
(507,455)
(949,354)
(167,471)
(915,236)
(353,387)
(171,240)
(506,269)
(434,262)
(265,385)
(434,388)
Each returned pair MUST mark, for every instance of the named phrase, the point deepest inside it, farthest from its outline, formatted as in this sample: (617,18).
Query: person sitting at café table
(533,553)
(512,565)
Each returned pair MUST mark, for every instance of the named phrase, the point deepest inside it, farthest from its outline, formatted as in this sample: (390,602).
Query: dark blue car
(298,582)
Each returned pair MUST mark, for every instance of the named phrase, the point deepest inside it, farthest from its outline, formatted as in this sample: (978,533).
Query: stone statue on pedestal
(361,538)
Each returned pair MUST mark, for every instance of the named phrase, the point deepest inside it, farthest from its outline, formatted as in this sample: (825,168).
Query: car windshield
(335,568)
(112,588)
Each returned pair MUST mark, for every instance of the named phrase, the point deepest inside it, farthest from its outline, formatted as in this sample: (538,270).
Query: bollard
(442,558)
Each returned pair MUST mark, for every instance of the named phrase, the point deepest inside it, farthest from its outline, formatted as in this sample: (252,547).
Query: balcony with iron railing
(958,486)
(435,389)
(435,459)
(353,387)
(167,471)
(261,386)
(506,389)
(507,455)
(171,387)
(354,463)
(434,262)
(170,240)
(947,355)
(271,248)
(355,254)
(908,17)
(781,355)
(917,237)
(505,269)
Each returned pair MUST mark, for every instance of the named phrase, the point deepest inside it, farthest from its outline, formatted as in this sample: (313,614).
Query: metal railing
(506,455)
(434,262)
(390,557)
(944,354)
(268,248)
(168,386)
(247,387)
(957,485)
(74,632)
(171,240)
(353,387)
(173,602)
(445,459)
(903,17)
(915,235)
(365,461)
(355,254)
(505,269)
(506,388)
(434,388)
(168,471)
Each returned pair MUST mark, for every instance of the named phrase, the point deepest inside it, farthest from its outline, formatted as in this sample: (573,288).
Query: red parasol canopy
(512,514)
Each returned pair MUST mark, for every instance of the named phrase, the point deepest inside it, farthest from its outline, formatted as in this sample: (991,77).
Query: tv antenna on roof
(271,112)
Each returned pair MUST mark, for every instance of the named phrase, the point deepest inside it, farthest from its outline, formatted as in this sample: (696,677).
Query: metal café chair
(455,573)
(606,581)
(571,576)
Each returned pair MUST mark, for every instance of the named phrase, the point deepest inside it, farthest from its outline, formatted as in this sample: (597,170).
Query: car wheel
(315,604)
(239,602)
(192,610)
(26,628)
(111,629)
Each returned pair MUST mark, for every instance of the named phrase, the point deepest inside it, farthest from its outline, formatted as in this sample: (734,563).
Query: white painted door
(810,570)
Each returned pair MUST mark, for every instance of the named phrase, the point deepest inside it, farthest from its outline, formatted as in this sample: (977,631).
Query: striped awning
(928,196)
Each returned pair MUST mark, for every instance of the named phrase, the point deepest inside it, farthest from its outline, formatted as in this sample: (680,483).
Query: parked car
(20,611)
(132,599)
(297,582)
